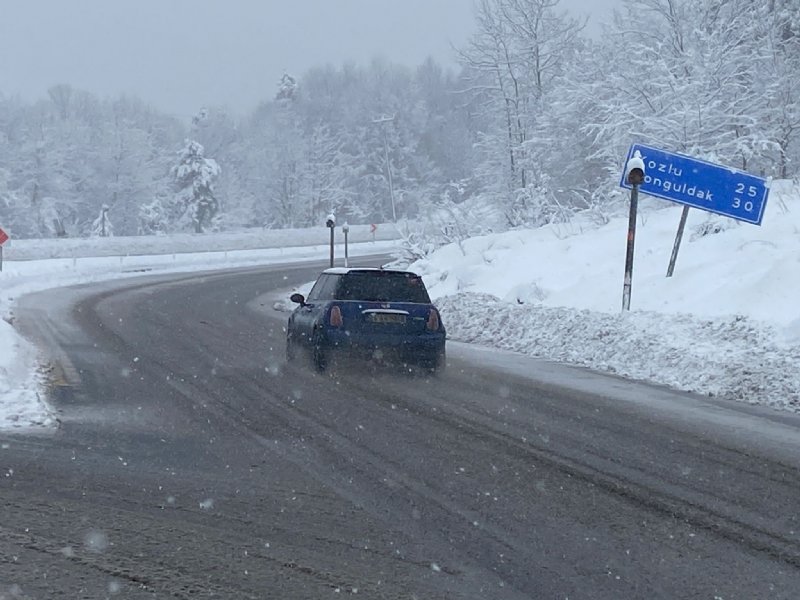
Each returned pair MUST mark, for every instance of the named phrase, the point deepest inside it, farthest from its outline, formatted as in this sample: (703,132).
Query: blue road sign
(704,185)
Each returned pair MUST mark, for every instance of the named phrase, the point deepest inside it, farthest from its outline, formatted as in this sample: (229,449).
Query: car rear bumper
(412,348)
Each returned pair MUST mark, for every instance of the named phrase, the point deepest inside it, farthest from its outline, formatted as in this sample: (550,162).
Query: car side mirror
(298,299)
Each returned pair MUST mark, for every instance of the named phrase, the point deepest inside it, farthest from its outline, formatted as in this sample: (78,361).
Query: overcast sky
(179,55)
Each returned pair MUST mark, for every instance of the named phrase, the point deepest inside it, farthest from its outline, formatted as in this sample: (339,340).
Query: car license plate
(386,318)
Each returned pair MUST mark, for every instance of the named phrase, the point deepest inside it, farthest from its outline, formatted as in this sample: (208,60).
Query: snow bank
(732,357)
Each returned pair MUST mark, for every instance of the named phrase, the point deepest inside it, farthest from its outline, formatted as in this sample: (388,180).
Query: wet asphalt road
(193,462)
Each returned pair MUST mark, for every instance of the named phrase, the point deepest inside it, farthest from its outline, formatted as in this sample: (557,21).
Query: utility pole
(381,120)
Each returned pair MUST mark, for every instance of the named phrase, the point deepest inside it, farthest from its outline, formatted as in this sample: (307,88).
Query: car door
(305,317)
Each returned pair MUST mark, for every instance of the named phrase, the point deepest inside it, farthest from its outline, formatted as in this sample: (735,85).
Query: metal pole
(389,171)
(386,119)
(627,285)
(677,246)
(331,247)
(346,254)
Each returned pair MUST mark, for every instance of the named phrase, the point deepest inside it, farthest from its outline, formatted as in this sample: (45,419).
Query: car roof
(346,270)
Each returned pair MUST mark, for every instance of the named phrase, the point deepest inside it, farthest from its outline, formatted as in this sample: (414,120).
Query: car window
(315,290)
(323,289)
(382,286)
(328,287)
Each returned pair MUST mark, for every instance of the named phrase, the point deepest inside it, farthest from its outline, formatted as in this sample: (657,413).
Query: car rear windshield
(382,286)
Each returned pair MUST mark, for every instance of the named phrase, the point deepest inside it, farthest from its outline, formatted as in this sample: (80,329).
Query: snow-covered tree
(443,122)
(328,174)
(126,163)
(682,78)
(221,137)
(776,27)
(194,202)
(153,217)
(287,88)
(513,61)
(277,160)
(40,186)
(69,154)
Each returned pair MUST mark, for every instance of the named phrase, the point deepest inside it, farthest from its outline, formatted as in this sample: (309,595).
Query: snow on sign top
(3,237)
(704,185)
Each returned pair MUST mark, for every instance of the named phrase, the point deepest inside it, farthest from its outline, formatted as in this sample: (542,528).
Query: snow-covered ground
(726,324)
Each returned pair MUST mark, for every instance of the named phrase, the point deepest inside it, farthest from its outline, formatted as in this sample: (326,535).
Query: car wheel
(291,348)
(437,364)
(319,355)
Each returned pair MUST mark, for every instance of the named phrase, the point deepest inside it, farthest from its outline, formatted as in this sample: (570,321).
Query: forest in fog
(532,126)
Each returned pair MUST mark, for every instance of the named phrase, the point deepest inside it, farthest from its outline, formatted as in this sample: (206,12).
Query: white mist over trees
(531,127)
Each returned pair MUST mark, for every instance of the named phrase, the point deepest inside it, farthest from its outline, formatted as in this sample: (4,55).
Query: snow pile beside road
(730,357)
(22,401)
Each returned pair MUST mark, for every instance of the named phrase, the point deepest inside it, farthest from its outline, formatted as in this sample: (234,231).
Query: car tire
(436,365)
(291,348)
(319,354)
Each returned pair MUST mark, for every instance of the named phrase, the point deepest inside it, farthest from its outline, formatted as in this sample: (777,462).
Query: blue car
(371,313)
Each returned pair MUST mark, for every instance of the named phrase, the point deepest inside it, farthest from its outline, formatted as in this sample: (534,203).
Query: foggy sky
(180,55)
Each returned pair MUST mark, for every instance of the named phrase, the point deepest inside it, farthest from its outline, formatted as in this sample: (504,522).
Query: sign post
(634,175)
(677,245)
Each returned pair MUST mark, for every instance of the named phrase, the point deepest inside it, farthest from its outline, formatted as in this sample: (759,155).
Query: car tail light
(336,317)
(433,320)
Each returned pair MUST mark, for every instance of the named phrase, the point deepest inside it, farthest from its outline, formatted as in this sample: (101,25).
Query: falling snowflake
(96,541)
